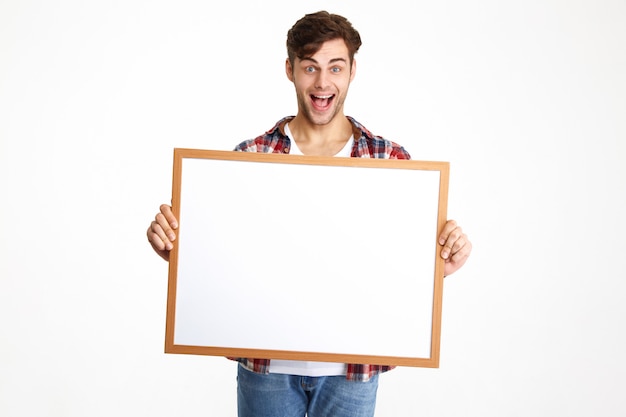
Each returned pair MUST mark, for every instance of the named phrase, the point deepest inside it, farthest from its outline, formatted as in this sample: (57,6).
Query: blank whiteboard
(306,258)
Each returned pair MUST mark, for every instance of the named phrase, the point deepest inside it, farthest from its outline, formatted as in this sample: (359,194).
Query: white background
(526,99)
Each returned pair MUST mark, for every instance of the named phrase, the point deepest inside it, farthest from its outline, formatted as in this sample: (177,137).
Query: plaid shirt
(366,145)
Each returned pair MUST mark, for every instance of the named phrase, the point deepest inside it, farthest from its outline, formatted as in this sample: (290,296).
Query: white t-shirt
(346,151)
(303,368)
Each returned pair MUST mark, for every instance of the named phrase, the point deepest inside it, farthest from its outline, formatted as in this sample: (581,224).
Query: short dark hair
(308,34)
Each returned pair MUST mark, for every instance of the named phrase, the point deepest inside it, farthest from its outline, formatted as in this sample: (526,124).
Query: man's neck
(322,140)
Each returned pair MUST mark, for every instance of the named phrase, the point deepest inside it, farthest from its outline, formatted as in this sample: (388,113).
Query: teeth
(323,97)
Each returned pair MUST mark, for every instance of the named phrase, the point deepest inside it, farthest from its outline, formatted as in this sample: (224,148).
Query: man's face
(322,81)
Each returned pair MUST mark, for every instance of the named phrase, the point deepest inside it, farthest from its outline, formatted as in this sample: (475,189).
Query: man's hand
(161,232)
(456,247)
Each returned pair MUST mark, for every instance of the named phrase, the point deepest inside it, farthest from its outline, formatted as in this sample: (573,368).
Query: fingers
(160,233)
(166,211)
(166,223)
(448,237)
(159,238)
(456,245)
(460,252)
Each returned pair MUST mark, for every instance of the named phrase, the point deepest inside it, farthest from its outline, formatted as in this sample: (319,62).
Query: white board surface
(297,257)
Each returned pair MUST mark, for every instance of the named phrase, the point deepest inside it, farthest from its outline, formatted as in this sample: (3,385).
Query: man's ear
(289,70)
(353,69)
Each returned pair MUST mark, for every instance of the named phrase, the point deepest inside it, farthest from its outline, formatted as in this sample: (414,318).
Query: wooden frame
(306,258)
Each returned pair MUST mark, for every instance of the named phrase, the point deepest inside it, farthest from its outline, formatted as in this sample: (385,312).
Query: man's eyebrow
(332,61)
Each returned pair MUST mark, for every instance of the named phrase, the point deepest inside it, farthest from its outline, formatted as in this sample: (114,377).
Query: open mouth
(322,102)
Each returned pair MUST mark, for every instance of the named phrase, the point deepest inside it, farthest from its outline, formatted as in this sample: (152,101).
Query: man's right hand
(161,232)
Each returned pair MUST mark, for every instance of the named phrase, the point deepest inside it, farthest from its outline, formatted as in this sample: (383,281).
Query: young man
(321,66)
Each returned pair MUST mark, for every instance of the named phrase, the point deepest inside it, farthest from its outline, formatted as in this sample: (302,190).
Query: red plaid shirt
(366,145)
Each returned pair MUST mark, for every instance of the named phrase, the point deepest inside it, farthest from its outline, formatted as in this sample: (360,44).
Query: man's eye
(336,69)
(309,69)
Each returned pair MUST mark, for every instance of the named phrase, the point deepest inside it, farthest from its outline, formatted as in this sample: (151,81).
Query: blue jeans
(278,395)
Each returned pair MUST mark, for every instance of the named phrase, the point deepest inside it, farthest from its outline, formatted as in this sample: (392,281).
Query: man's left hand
(456,247)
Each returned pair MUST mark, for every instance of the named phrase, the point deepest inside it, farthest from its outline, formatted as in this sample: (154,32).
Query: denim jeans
(278,395)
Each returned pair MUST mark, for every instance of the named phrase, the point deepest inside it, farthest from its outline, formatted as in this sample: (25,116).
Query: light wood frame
(220,183)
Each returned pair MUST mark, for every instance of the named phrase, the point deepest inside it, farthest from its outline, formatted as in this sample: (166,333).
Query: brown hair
(308,34)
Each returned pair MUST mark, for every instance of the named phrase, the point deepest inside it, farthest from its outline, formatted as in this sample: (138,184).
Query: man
(321,66)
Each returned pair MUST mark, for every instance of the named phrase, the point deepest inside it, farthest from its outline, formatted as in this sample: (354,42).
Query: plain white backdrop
(526,99)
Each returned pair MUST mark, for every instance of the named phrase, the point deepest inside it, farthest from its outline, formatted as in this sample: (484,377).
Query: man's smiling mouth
(322,102)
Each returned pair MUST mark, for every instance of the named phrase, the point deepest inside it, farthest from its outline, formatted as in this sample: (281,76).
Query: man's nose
(321,82)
